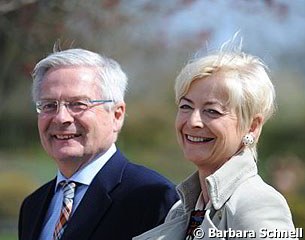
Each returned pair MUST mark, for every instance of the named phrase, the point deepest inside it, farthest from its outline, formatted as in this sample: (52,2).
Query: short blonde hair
(248,85)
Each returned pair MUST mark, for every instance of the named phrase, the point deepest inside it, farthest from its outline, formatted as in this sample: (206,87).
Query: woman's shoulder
(256,191)
(257,204)
(176,210)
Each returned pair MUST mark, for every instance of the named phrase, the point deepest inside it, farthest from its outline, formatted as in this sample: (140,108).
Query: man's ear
(119,116)
(256,125)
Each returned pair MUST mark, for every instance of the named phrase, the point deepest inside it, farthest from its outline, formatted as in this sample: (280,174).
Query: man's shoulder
(39,193)
(145,175)
(146,183)
(136,173)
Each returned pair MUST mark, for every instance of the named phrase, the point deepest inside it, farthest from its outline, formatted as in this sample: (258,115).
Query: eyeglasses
(51,107)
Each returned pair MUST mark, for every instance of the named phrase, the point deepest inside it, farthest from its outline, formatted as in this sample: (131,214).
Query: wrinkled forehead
(69,82)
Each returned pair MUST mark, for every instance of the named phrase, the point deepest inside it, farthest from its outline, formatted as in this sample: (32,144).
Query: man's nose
(63,115)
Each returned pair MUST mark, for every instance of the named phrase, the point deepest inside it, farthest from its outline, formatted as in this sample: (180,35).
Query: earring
(248,139)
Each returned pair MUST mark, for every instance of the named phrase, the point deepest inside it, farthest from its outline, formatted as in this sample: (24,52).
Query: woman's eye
(212,112)
(185,107)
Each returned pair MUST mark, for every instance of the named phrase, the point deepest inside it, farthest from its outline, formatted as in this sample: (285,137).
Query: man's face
(73,139)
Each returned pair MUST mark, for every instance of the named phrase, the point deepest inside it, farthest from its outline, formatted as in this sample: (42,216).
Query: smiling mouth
(198,139)
(66,136)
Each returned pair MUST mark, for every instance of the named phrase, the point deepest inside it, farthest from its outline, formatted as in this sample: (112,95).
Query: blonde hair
(248,85)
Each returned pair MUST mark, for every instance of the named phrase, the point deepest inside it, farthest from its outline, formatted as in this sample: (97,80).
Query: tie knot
(68,189)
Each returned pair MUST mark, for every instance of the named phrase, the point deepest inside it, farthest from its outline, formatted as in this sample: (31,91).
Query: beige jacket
(242,206)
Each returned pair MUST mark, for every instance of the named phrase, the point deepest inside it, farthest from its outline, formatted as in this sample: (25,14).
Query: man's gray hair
(112,81)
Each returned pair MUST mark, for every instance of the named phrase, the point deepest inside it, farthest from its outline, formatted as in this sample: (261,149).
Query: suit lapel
(41,207)
(97,199)
(89,212)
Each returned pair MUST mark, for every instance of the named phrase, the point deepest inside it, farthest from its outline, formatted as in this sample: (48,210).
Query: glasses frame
(91,103)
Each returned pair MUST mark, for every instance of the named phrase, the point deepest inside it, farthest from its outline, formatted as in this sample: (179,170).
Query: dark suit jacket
(122,201)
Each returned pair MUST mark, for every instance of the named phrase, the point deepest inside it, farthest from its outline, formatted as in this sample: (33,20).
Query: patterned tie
(68,189)
(196,219)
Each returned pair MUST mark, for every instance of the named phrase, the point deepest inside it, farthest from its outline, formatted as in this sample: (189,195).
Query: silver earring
(248,139)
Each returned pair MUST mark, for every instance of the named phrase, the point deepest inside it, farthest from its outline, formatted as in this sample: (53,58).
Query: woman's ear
(256,125)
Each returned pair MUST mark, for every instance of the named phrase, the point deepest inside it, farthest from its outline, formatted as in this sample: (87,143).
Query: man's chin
(67,156)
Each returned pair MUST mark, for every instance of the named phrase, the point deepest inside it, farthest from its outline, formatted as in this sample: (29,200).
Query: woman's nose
(195,120)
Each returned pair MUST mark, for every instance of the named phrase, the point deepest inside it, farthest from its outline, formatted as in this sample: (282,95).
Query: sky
(269,28)
(153,39)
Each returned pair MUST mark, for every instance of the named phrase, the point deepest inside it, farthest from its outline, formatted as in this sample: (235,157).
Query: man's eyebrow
(78,97)
(68,98)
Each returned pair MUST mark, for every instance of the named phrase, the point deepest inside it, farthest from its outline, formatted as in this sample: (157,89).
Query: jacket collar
(221,184)
(38,214)
(189,191)
(97,199)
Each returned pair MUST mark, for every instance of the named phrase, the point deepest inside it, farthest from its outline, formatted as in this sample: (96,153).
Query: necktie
(195,220)
(68,189)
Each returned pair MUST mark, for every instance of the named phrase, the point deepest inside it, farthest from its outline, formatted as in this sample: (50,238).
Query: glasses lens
(75,106)
(47,107)
(78,106)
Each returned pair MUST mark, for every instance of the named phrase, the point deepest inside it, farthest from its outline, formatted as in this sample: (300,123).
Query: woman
(224,100)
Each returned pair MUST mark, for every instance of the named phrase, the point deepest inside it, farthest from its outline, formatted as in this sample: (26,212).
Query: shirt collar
(199,203)
(226,179)
(86,174)
(221,184)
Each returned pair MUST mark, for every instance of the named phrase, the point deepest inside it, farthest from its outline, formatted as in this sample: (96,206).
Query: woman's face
(207,128)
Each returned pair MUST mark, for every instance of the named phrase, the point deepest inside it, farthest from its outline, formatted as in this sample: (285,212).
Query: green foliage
(17,132)
(278,138)
(4,236)
(14,186)
(296,203)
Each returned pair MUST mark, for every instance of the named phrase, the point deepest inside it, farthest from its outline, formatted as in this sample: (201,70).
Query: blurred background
(152,40)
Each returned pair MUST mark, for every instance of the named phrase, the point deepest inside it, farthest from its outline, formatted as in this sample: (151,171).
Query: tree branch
(12,5)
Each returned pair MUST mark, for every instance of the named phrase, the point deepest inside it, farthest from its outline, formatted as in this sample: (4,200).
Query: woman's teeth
(198,139)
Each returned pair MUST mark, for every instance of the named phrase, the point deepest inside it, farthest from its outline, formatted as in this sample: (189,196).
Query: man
(97,194)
